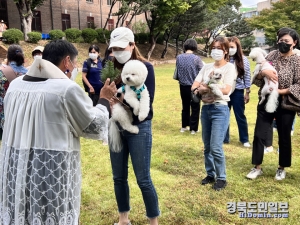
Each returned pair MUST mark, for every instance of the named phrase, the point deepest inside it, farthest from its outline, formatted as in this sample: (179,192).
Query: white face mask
(37,57)
(122,56)
(93,56)
(217,54)
(232,51)
(74,72)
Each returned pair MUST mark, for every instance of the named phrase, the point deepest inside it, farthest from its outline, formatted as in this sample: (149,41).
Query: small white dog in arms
(258,55)
(214,81)
(136,94)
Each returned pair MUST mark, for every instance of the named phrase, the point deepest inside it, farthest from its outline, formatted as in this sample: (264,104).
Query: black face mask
(284,47)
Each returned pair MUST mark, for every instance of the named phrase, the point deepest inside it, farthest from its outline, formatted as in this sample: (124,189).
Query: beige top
(228,78)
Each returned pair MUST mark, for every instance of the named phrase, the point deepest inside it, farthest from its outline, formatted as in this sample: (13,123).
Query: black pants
(94,98)
(188,118)
(264,121)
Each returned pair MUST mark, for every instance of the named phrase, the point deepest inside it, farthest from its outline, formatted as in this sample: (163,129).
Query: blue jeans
(214,121)
(139,147)
(238,104)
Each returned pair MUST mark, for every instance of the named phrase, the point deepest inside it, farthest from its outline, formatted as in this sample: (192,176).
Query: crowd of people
(44,113)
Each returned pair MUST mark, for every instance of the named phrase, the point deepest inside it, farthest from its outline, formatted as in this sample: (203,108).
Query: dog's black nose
(127,78)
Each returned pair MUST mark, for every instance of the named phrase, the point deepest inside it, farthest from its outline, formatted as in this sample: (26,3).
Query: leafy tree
(285,13)
(217,23)
(239,28)
(25,8)
(248,42)
(158,18)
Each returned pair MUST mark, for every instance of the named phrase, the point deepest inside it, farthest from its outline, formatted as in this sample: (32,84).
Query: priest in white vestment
(45,114)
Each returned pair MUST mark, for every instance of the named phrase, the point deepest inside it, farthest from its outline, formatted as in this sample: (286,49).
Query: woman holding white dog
(188,66)
(240,96)
(215,112)
(287,65)
(138,146)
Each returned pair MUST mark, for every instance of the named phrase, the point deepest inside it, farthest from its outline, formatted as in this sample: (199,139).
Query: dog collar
(137,91)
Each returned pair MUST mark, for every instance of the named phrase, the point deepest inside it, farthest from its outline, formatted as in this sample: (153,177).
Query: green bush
(142,38)
(101,33)
(72,34)
(13,36)
(56,34)
(89,35)
(140,27)
(34,37)
(200,40)
(79,40)
(160,39)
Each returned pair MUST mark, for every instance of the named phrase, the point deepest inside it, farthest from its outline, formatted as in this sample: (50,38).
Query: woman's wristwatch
(248,91)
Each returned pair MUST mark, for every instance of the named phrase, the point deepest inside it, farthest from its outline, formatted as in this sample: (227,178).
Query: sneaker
(254,173)
(280,174)
(193,132)
(183,130)
(268,149)
(219,185)
(247,145)
(292,133)
(207,180)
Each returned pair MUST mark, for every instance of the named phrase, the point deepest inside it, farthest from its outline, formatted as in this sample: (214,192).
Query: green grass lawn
(178,167)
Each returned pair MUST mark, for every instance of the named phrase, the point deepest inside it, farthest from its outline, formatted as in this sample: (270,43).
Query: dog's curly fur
(271,88)
(133,75)
(214,81)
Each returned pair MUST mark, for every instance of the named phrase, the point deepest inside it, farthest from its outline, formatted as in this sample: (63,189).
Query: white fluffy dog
(214,81)
(258,55)
(136,94)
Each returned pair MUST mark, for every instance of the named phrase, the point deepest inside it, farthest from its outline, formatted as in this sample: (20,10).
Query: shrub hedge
(89,35)
(56,34)
(101,34)
(13,36)
(34,37)
(73,34)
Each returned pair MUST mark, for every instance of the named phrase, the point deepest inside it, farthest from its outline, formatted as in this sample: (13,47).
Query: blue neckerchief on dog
(138,92)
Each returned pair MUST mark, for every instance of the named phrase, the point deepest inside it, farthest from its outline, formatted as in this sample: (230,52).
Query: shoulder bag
(289,102)
(175,76)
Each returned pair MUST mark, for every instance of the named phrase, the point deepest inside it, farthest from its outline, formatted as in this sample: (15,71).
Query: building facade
(248,12)
(64,14)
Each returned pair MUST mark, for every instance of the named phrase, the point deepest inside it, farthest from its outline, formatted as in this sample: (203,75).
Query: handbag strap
(9,73)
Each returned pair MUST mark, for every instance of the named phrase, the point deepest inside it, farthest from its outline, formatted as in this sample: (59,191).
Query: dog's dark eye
(133,74)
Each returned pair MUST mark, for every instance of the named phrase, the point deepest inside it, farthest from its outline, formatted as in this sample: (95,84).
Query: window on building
(108,2)
(4,11)
(90,1)
(36,24)
(90,22)
(66,21)
(110,24)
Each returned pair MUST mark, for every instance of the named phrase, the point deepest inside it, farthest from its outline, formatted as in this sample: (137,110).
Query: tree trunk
(26,26)
(152,46)
(177,47)
(165,50)
(25,13)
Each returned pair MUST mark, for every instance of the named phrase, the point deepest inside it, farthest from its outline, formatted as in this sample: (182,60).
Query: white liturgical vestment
(40,178)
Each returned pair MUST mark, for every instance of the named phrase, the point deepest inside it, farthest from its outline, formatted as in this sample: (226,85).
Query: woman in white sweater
(215,112)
